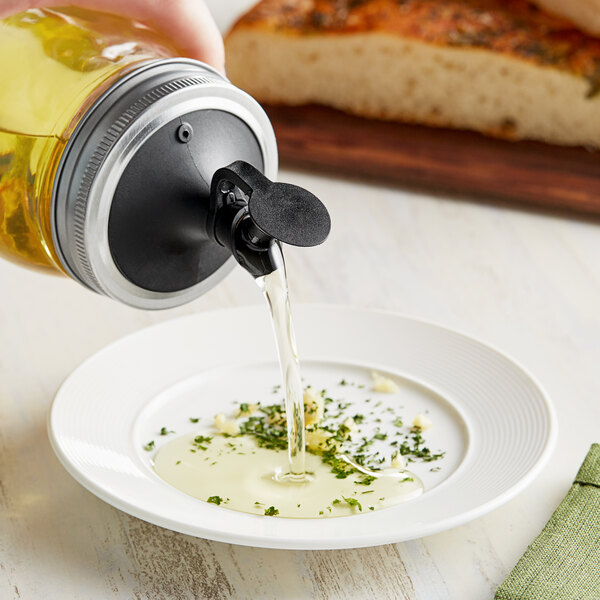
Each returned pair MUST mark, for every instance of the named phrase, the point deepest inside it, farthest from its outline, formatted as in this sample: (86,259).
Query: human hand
(187,22)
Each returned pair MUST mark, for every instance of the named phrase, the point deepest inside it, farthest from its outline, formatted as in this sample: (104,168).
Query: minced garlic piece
(383,384)
(422,422)
(398,461)
(351,425)
(319,440)
(224,425)
(313,407)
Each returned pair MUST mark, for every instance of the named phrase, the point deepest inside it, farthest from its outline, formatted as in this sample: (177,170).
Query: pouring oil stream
(275,289)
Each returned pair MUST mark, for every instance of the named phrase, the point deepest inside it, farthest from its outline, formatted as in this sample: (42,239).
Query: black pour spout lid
(249,213)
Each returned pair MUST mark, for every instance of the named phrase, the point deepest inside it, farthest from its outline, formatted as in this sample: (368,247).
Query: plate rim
(281,543)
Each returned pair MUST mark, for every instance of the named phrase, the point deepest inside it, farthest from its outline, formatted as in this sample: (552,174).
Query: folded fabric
(563,562)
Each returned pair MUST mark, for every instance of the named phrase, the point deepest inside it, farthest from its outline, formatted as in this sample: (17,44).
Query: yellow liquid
(252,479)
(53,65)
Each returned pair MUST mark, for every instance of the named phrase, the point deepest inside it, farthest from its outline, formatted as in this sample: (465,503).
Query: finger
(187,23)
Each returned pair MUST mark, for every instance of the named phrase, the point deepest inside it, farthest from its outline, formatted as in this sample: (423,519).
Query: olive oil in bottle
(53,65)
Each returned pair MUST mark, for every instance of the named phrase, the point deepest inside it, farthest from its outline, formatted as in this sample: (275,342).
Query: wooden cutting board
(460,162)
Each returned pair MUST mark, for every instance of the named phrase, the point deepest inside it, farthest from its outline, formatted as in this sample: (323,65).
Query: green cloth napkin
(563,562)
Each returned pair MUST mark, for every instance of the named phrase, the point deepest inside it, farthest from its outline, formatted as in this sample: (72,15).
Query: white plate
(491,417)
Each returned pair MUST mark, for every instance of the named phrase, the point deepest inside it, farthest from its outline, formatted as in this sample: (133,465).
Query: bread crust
(585,14)
(512,28)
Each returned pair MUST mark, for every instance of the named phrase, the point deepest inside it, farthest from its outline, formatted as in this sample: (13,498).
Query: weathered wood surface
(445,160)
(528,283)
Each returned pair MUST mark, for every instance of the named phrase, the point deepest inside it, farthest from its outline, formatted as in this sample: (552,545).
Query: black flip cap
(281,211)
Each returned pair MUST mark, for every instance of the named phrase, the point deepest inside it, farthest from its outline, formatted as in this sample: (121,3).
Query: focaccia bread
(583,13)
(502,67)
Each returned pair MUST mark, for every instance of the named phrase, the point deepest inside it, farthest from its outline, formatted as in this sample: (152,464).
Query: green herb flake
(178,462)
(215,500)
(353,502)
(366,480)
(417,449)
(149,446)
(165,431)
(194,419)
(202,439)
(271,511)
(244,408)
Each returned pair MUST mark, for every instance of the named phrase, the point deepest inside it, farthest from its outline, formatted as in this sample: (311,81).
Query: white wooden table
(526,282)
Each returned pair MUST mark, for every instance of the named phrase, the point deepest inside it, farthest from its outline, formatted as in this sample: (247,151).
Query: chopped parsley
(353,502)
(194,419)
(200,442)
(165,431)
(417,449)
(202,439)
(366,480)
(269,429)
(339,467)
(149,446)
(215,500)
(271,511)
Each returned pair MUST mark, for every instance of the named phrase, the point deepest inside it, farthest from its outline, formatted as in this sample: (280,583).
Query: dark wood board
(460,162)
